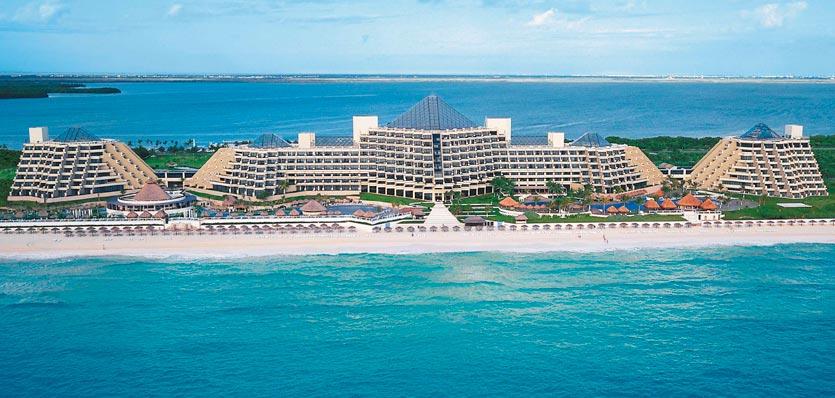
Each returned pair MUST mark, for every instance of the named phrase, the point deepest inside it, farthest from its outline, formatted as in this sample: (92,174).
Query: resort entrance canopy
(432,113)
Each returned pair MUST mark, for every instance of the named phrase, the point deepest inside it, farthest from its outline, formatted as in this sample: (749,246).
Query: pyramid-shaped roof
(508,202)
(689,201)
(313,207)
(151,192)
(761,131)
(590,139)
(652,204)
(269,140)
(432,113)
(76,134)
(708,205)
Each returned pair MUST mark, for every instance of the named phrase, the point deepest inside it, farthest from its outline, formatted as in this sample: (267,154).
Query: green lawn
(182,159)
(8,164)
(536,219)
(389,199)
(680,151)
(478,200)
(822,207)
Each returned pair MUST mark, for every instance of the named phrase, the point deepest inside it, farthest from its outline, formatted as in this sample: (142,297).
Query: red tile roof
(689,201)
(708,205)
(508,202)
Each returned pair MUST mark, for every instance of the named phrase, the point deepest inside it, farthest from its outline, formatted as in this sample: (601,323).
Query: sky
(526,37)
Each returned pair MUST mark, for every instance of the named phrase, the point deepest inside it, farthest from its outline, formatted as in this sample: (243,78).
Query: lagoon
(221,111)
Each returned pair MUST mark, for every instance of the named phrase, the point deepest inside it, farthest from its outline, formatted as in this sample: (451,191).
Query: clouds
(174,10)
(543,18)
(40,12)
(416,36)
(774,15)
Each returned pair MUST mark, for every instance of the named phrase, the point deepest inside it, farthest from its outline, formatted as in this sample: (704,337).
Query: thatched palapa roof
(151,192)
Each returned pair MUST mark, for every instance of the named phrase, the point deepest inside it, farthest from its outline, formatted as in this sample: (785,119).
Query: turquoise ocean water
(734,321)
(214,112)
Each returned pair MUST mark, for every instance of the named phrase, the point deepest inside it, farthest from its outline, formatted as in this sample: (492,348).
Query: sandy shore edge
(54,246)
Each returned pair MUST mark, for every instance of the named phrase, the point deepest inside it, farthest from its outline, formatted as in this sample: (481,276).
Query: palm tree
(283,185)
(503,186)
(554,188)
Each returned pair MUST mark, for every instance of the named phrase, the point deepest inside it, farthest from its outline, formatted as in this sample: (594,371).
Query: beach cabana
(160,214)
(473,221)
(131,214)
(668,204)
(509,202)
(294,213)
(708,205)
(623,210)
(652,205)
(313,208)
(689,202)
(521,219)
(145,214)
(612,210)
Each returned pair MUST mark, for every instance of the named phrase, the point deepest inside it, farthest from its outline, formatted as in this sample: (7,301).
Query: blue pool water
(743,321)
(214,112)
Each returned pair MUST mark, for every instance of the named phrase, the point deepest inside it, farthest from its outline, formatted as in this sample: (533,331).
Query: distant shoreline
(339,78)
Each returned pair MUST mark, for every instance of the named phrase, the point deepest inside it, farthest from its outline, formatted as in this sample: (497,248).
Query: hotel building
(76,165)
(761,162)
(426,153)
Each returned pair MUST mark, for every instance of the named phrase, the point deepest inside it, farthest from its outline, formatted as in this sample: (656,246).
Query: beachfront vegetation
(534,218)
(821,207)
(503,186)
(8,164)
(27,88)
(824,148)
(396,200)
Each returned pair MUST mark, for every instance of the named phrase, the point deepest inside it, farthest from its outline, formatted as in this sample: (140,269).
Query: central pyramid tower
(432,113)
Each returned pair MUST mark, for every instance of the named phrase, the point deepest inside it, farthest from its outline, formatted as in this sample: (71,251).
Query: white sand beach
(232,246)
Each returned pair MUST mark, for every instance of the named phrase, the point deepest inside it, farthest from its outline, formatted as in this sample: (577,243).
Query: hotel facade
(76,165)
(761,162)
(427,153)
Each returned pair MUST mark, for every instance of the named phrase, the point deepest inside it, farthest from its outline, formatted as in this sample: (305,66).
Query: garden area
(768,208)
